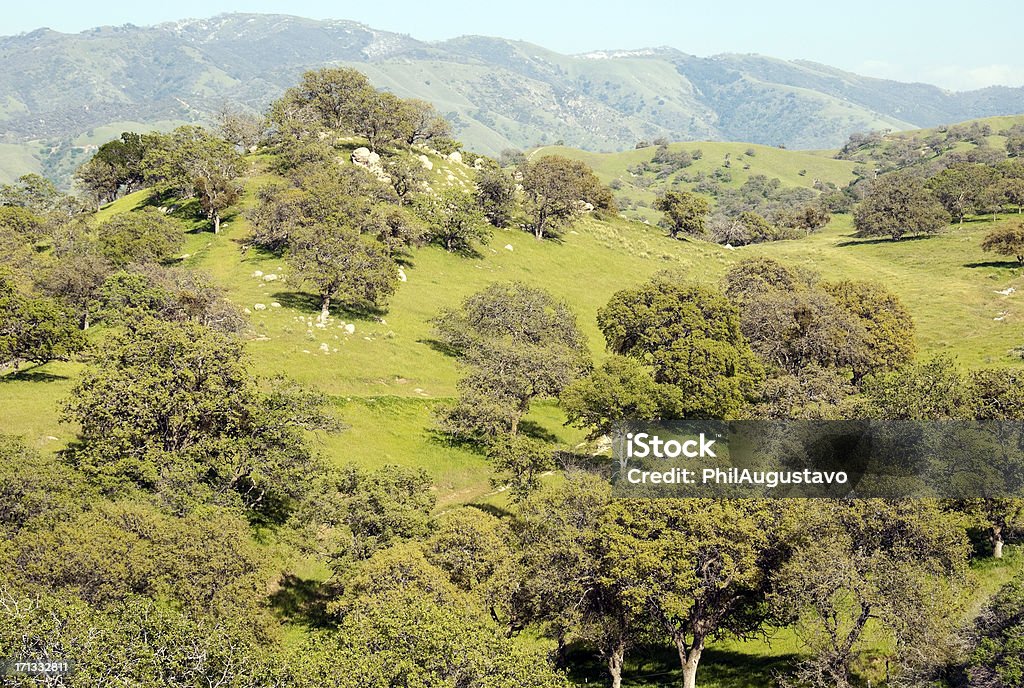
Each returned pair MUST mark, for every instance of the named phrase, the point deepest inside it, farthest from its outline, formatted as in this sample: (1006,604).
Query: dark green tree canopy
(898,204)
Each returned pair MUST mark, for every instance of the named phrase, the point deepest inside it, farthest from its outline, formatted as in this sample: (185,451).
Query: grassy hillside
(792,168)
(386,377)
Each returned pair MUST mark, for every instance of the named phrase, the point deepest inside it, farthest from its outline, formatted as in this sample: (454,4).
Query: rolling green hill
(385,379)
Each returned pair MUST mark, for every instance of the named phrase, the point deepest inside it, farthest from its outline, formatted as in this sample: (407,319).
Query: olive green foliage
(172,409)
(567,576)
(519,462)
(699,568)
(403,622)
(454,220)
(114,169)
(898,564)
(140,237)
(518,344)
(793,320)
(685,212)
(349,514)
(899,204)
(326,193)
(555,189)
(998,657)
(689,337)
(343,100)
(343,266)
(964,188)
(496,194)
(1006,241)
(190,162)
(171,293)
(34,329)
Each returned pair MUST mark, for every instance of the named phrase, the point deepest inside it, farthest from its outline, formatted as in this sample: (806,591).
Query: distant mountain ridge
(54,87)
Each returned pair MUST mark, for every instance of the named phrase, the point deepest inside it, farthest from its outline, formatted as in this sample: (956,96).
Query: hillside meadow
(384,374)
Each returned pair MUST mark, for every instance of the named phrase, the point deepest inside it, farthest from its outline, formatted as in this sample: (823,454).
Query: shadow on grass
(1002,264)
(659,666)
(302,601)
(303,301)
(440,347)
(864,241)
(31,375)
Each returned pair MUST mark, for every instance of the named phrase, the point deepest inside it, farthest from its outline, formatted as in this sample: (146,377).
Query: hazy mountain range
(56,88)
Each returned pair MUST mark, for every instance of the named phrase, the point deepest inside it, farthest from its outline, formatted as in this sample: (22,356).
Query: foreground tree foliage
(172,409)
(894,564)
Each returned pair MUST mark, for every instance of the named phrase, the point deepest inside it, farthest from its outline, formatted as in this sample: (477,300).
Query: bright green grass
(389,362)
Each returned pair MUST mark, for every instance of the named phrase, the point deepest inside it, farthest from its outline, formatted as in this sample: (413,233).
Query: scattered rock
(401,275)
(361,156)
(1007,291)
(325,348)
(275,304)
(730,247)
(260,306)
(270,278)
(478,164)
(350,328)
(425,161)
(455,156)
(247,311)
(257,273)
(509,247)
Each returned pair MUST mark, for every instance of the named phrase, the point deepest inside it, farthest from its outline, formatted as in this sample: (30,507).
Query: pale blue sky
(949,43)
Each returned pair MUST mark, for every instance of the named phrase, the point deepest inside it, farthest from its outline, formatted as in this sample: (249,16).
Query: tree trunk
(85,321)
(216,223)
(689,660)
(325,306)
(997,542)
(615,660)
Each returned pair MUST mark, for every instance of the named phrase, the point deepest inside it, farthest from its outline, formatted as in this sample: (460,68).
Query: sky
(951,44)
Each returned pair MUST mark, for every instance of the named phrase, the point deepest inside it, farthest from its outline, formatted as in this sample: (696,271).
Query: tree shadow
(491,509)
(440,347)
(1003,264)
(32,375)
(302,600)
(855,241)
(304,301)
(536,431)
(658,665)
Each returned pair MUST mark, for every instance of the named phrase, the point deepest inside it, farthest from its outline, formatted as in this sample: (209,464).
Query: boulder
(425,161)
(350,328)
(455,156)
(260,306)
(361,156)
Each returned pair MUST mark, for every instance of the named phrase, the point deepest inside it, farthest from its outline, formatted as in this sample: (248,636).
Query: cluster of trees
(904,202)
(773,343)
(760,210)
(187,164)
